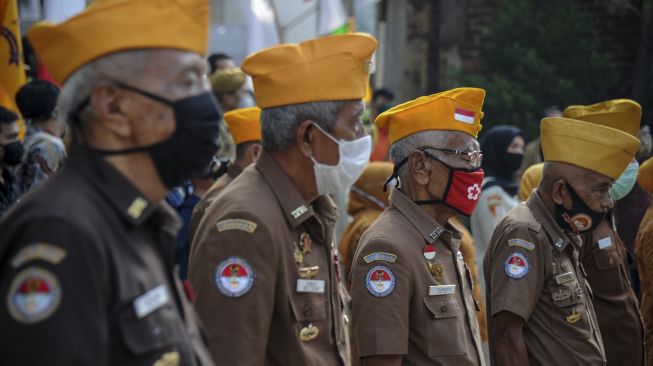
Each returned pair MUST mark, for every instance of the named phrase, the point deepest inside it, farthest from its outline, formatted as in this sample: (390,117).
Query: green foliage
(540,54)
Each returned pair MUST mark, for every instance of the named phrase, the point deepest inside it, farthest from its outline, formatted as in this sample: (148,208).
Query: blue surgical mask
(625,183)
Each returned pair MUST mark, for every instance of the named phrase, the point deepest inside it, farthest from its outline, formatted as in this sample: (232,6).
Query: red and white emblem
(34,294)
(429,251)
(473,192)
(463,115)
(380,281)
(516,265)
(234,277)
(582,222)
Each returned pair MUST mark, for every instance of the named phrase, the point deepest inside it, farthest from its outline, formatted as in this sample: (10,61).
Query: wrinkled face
(8,134)
(171,74)
(348,127)
(593,188)
(230,100)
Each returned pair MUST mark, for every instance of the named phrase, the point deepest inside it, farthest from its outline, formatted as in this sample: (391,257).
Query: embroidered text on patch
(236,224)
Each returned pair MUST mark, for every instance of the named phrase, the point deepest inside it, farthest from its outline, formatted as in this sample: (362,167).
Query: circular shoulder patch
(234,277)
(380,281)
(516,265)
(34,295)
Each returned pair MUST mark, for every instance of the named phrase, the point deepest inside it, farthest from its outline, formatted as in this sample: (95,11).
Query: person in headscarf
(503,151)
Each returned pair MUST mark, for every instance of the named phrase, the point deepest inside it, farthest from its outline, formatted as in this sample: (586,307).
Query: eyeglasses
(473,159)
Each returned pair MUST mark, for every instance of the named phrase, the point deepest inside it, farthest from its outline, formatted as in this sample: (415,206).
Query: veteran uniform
(411,289)
(533,268)
(86,261)
(245,127)
(604,255)
(644,256)
(264,262)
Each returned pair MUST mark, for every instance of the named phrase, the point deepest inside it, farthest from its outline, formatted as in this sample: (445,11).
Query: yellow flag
(12,68)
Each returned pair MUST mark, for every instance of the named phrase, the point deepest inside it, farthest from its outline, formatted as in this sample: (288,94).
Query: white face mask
(354,156)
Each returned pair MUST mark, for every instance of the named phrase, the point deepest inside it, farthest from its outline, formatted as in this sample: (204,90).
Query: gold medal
(168,359)
(308,272)
(308,333)
(305,243)
(299,257)
(436,270)
(573,318)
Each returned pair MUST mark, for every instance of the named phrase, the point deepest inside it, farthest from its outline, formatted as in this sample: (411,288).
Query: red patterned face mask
(463,189)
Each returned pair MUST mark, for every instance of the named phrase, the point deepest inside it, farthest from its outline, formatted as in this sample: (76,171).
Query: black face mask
(189,150)
(512,162)
(580,219)
(13,153)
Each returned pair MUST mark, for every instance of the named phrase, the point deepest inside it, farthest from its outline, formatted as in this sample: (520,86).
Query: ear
(304,136)
(108,103)
(255,151)
(420,167)
(558,187)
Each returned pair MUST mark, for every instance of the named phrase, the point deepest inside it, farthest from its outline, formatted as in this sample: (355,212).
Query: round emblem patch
(582,222)
(516,265)
(234,277)
(429,251)
(34,294)
(380,281)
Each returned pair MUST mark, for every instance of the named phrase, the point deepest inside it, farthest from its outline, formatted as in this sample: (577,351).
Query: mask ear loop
(395,175)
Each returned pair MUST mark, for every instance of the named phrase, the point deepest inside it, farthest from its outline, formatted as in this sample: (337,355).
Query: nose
(607,203)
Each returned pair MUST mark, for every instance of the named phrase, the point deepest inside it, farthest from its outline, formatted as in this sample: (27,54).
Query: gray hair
(401,149)
(78,87)
(279,124)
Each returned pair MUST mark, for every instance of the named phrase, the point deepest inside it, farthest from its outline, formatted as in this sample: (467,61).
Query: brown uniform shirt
(644,255)
(399,306)
(86,275)
(264,270)
(617,310)
(216,188)
(532,270)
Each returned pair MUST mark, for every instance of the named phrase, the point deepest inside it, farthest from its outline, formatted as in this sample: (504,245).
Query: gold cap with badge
(601,149)
(622,114)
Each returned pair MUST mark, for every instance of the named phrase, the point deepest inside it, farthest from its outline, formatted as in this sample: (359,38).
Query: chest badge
(380,281)
(429,251)
(436,270)
(234,277)
(168,359)
(308,272)
(305,243)
(516,266)
(308,333)
(573,318)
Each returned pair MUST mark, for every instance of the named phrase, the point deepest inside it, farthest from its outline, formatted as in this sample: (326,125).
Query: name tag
(564,278)
(151,300)
(310,286)
(605,242)
(442,290)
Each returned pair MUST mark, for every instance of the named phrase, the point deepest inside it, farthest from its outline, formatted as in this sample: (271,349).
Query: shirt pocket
(445,331)
(308,308)
(606,279)
(156,332)
(568,317)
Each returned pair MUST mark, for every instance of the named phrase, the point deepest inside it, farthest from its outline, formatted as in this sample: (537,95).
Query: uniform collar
(112,185)
(234,170)
(294,206)
(424,223)
(559,239)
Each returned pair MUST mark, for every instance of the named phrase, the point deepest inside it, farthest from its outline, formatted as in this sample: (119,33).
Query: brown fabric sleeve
(516,295)
(644,256)
(381,323)
(236,327)
(469,254)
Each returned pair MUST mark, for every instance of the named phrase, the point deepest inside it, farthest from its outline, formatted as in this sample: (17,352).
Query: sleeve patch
(34,295)
(521,243)
(234,277)
(39,251)
(516,266)
(380,256)
(237,224)
(380,281)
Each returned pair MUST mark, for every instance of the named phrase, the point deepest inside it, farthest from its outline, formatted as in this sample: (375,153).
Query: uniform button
(443,309)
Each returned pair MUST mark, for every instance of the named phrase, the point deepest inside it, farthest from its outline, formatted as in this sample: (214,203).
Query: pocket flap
(605,260)
(442,307)
(150,333)
(564,296)
(308,308)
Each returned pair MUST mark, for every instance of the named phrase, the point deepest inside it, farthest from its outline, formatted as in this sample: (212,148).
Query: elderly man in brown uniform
(246,131)
(86,275)
(411,290)
(539,303)
(604,255)
(263,262)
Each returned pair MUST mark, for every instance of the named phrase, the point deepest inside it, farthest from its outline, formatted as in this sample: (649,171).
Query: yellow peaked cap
(530,180)
(323,69)
(244,124)
(622,114)
(601,149)
(452,110)
(108,26)
(228,80)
